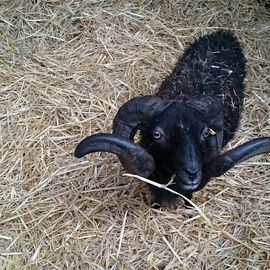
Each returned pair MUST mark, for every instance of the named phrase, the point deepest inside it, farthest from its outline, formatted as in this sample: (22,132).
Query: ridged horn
(209,106)
(134,158)
(223,163)
(136,111)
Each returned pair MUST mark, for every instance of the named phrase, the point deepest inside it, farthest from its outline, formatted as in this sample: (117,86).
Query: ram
(182,129)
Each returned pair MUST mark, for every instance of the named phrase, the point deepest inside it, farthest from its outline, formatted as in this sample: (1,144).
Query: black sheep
(185,125)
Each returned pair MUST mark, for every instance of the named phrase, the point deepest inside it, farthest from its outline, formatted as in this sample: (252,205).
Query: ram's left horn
(223,163)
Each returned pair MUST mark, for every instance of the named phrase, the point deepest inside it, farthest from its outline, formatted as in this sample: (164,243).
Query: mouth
(188,184)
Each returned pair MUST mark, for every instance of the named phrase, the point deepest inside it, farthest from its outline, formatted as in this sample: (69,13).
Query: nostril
(191,172)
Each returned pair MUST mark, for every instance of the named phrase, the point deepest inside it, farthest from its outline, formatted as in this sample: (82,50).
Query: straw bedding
(66,66)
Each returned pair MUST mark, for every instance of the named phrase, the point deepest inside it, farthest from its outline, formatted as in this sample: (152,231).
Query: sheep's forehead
(176,125)
(179,119)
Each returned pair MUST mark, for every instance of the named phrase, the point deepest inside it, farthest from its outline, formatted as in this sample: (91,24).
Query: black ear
(216,136)
(212,110)
(214,142)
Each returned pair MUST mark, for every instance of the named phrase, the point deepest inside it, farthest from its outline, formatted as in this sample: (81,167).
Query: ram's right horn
(134,158)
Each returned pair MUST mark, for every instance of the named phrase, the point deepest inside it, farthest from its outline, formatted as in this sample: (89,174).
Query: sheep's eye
(157,135)
(206,133)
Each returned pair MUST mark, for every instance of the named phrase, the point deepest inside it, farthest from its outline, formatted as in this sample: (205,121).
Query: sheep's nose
(192,173)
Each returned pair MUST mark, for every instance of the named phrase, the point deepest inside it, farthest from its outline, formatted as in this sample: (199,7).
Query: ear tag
(212,132)
(137,136)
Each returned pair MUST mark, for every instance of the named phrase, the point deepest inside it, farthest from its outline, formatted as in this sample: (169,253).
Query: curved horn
(209,106)
(134,158)
(223,163)
(136,111)
(204,103)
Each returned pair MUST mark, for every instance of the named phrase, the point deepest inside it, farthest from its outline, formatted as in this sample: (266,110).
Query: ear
(212,110)
(214,142)
(136,134)
(216,137)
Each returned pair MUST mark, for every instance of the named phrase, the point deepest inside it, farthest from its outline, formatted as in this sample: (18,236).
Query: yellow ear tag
(137,137)
(212,132)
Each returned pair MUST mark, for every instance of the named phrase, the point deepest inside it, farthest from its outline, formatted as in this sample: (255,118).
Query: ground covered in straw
(66,66)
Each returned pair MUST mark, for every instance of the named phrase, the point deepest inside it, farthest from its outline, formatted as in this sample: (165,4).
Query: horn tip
(78,153)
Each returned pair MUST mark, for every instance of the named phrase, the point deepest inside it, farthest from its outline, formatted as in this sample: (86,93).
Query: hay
(66,66)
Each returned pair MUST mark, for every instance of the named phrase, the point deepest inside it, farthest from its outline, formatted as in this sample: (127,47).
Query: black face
(176,140)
